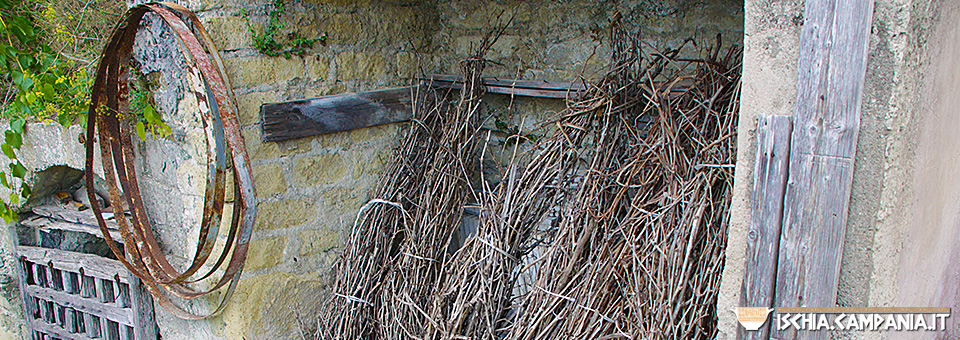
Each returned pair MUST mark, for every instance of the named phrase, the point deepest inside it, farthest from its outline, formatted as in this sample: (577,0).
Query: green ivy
(47,88)
(143,111)
(267,43)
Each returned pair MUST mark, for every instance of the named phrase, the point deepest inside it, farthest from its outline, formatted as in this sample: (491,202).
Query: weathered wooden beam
(832,66)
(766,214)
(301,118)
(528,88)
(308,117)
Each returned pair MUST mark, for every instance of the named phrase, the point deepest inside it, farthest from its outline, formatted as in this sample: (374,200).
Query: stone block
(256,148)
(270,306)
(318,66)
(228,32)
(408,65)
(269,179)
(261,70)
(316,241)
(343,28)
(505,47)
(323,169)
(265,253)
(346,199)
(249,106)
(284,213)
(354,65)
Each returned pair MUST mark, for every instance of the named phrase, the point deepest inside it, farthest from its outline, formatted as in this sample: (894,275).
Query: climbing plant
(269,42)
(43,84)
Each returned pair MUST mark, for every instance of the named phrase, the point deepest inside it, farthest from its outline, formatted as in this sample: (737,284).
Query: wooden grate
(69,295)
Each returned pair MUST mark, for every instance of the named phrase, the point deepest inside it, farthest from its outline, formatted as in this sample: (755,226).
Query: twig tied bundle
(613,226)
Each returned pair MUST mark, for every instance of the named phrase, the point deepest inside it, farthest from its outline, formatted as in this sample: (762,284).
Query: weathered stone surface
(265,253)
(322,169)
(269,179)
(345,200)
(249,106)
(228,32)
(317,67)
(284,213)
(255,146)
(272,306)
(315,241)
(252,71)
(353,65)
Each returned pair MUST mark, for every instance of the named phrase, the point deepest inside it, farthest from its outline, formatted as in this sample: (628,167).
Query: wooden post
(766,213)
(832,65)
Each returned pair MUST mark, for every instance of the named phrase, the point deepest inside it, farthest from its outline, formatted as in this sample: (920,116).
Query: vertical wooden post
(833,57)
(766,214)
(145,325)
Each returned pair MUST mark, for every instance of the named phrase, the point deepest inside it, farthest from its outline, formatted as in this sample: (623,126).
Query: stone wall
(309,189)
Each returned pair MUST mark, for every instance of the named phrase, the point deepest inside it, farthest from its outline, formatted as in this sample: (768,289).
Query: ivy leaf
(151,115)
(8,151)
(141,131)
(17,125)
(18,170)
(31,98)
(14,199)
(47,90)
(25,191)
(15,140)
(3,180)
(5,213)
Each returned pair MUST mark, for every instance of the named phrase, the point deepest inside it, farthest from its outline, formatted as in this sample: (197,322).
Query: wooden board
(73,216)
(45,224)
(832,65)
(301,118)
(766,213)
(528,88)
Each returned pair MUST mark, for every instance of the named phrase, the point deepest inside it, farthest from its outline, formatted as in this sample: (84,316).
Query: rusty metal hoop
(221,125)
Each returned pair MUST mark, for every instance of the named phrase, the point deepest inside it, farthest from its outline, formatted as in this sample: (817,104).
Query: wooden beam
(308,117)
(301,118)
(832,65)
(766,213)
(89,264)
(528,88)
(88,306)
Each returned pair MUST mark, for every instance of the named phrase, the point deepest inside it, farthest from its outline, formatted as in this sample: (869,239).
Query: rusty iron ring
(108,103)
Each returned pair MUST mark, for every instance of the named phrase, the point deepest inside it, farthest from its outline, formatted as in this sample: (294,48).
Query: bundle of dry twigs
(611,227)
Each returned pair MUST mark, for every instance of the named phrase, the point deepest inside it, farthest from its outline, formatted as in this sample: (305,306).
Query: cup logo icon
(751,318)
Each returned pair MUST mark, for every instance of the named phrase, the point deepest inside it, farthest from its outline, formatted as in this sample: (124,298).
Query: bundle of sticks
(612,226)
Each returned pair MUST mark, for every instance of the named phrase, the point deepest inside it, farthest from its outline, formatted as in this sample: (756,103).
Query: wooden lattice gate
(69,295)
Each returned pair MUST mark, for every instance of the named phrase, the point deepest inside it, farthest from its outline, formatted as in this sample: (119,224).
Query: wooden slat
(92,325)
(510,83)
(45,223)
(81,217)
(832,65)
(541,89)
(145,327)
(54,330)
(301,118)
(766,213)
(92,265)
(84,305)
